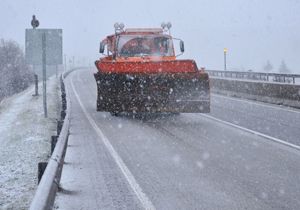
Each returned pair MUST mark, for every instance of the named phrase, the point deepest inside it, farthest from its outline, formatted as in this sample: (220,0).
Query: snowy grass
(25,141)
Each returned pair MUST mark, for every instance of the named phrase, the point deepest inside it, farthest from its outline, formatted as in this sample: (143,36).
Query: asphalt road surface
(186,161)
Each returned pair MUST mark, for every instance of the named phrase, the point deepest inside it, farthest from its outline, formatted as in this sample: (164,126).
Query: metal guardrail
(269,77)
(49,184)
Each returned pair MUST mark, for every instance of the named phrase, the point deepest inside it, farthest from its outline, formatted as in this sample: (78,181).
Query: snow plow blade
(151,93)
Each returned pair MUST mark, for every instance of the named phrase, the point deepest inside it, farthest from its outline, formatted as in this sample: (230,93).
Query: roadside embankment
(25,141)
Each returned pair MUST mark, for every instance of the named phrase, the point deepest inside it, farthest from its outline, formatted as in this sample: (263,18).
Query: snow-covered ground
(25,140)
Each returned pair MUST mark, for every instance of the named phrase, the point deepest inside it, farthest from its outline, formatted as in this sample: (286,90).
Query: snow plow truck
(140,73)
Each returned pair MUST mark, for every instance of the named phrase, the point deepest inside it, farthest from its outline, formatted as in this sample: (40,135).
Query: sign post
(44,47)
(44,75)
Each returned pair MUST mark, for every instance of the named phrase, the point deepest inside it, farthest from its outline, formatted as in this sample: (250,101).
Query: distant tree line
(283,69)
(15,75)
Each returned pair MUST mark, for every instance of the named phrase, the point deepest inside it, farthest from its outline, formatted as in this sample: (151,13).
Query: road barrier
(53,143)
(50,178)
(250,75)
(276,93)
(49,183)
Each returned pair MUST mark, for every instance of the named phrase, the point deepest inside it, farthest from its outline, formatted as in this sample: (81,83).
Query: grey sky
(254,31)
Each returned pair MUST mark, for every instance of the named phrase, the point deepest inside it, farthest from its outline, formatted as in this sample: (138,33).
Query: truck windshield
(150,45)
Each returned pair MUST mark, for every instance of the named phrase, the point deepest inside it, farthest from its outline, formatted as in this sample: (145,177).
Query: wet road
(186,161)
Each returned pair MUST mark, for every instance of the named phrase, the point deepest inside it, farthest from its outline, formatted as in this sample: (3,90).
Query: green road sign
(33,46)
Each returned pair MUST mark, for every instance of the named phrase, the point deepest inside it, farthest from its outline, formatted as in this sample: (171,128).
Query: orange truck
(140,73)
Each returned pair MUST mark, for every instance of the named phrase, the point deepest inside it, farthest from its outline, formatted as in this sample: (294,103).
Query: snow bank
(25,141)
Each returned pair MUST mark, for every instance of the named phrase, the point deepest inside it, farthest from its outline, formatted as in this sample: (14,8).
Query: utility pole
(44,75)
(225,52)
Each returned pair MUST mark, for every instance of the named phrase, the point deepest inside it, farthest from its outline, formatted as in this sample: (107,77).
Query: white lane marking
(256,103)
(145,201)
(254,132)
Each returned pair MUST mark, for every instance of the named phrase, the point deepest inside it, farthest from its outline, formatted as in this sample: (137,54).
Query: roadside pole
(65,62)
(44,75)
(36,81)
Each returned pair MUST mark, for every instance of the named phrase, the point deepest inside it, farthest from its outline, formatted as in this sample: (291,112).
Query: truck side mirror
(181,46)
(102,47)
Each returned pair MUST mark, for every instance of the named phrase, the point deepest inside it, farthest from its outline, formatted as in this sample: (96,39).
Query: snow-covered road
(185,161)
(25,141)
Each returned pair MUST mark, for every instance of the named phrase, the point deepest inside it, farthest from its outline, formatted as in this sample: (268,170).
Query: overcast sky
(254,31)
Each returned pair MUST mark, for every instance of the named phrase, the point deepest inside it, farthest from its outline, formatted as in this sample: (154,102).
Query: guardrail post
(59,126)
(64,101)
(41,169)
(64,105)
(53,143)
(63,95)
(62,114)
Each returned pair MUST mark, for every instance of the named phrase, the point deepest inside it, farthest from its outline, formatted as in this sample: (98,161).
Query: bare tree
(268,67)
(283,68)
(15,75)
